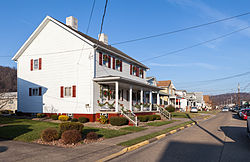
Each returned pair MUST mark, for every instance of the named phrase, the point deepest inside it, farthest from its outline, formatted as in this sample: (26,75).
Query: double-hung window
(67,92)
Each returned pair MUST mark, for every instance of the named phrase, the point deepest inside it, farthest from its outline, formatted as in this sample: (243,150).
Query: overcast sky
(131,19)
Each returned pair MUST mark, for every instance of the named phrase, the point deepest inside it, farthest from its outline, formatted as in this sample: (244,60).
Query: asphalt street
(222,138)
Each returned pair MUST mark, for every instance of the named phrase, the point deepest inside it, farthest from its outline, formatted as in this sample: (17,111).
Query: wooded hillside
(8,79)
(219,99)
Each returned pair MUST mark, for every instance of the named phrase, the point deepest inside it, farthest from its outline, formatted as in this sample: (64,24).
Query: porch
(118,93)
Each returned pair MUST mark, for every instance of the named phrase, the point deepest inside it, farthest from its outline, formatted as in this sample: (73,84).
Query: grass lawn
(151,135)
(28,130)
(160,123)
(23,129)
(133,129)
(184,114)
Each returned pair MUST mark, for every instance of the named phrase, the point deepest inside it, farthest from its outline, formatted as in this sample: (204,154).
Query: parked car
(240,112)
(194,110)
(235,109)
(225,109)
(245,113)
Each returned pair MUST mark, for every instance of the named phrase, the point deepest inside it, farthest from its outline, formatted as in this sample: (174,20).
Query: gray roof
(115,50)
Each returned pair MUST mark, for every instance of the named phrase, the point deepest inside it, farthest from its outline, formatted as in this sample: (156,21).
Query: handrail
(126,114)
(165,113)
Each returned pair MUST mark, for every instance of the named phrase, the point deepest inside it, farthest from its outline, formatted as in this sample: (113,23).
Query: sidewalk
(21,151)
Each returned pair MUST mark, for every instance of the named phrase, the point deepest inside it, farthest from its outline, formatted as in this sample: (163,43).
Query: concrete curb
(136,146)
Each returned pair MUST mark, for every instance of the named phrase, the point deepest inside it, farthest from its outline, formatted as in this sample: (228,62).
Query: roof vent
(72,22)
(103,38)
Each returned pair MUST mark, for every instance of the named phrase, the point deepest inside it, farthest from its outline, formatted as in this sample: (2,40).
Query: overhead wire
(195,45)
(90,17)
(180,30)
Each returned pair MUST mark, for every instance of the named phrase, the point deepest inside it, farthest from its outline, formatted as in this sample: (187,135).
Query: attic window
(35,64)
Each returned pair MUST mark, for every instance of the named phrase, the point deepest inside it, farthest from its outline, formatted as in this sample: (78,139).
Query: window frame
(35,66)
(35,92)
(68,91)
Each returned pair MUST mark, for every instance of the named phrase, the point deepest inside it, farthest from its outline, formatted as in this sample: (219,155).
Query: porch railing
(165,113)
(130,116)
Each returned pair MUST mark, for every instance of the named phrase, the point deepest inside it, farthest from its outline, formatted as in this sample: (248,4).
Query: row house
(64,71)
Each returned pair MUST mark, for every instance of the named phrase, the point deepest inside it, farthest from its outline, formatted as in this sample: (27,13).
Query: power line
(195,45)
(103,16)
(90,17)
(180,30)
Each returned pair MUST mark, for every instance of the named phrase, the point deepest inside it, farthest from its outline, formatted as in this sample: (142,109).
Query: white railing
(165,113)
(130,116)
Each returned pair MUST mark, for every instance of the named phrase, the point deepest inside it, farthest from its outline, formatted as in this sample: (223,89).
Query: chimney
(72,22)
(103,38)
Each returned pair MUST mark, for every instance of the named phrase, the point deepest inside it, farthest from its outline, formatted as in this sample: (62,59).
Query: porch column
(150,100)
(130,98)
(158,100)
(175,102)
(141,99)
(116,97)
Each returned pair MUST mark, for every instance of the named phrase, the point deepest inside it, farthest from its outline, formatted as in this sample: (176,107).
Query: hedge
(70,126)
(118,121)
(83,119)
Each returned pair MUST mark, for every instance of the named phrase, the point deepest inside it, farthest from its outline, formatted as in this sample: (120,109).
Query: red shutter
(31,64)
(100,58)
(109,63)
(113,63)
(30,91)
(62,91)
(40,91)
(74,91)
(40,63)
(137,71)
(120,65)
(130,69)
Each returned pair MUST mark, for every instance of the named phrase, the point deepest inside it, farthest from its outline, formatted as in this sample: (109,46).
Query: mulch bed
(60,143)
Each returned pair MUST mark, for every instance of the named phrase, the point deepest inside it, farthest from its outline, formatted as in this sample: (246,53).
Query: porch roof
(163,94)
(108,79)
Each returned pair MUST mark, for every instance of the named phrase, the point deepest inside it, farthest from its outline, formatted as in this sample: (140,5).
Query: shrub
(157,117)
(70,126)
(40,115)
(103,119)
(170,108)
(6,112)
(118,121)
(150,117)
(92,136)
(63,118)
(54,117)
(71,136)
(83,119)
(142,118)
(49,134)
(74,120)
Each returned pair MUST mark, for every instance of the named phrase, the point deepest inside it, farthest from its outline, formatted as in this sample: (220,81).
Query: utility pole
(239,94)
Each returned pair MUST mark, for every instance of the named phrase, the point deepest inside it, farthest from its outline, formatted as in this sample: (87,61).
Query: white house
(181,100)
(61,70)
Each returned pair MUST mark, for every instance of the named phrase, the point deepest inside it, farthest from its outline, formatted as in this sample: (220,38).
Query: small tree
(170,108)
